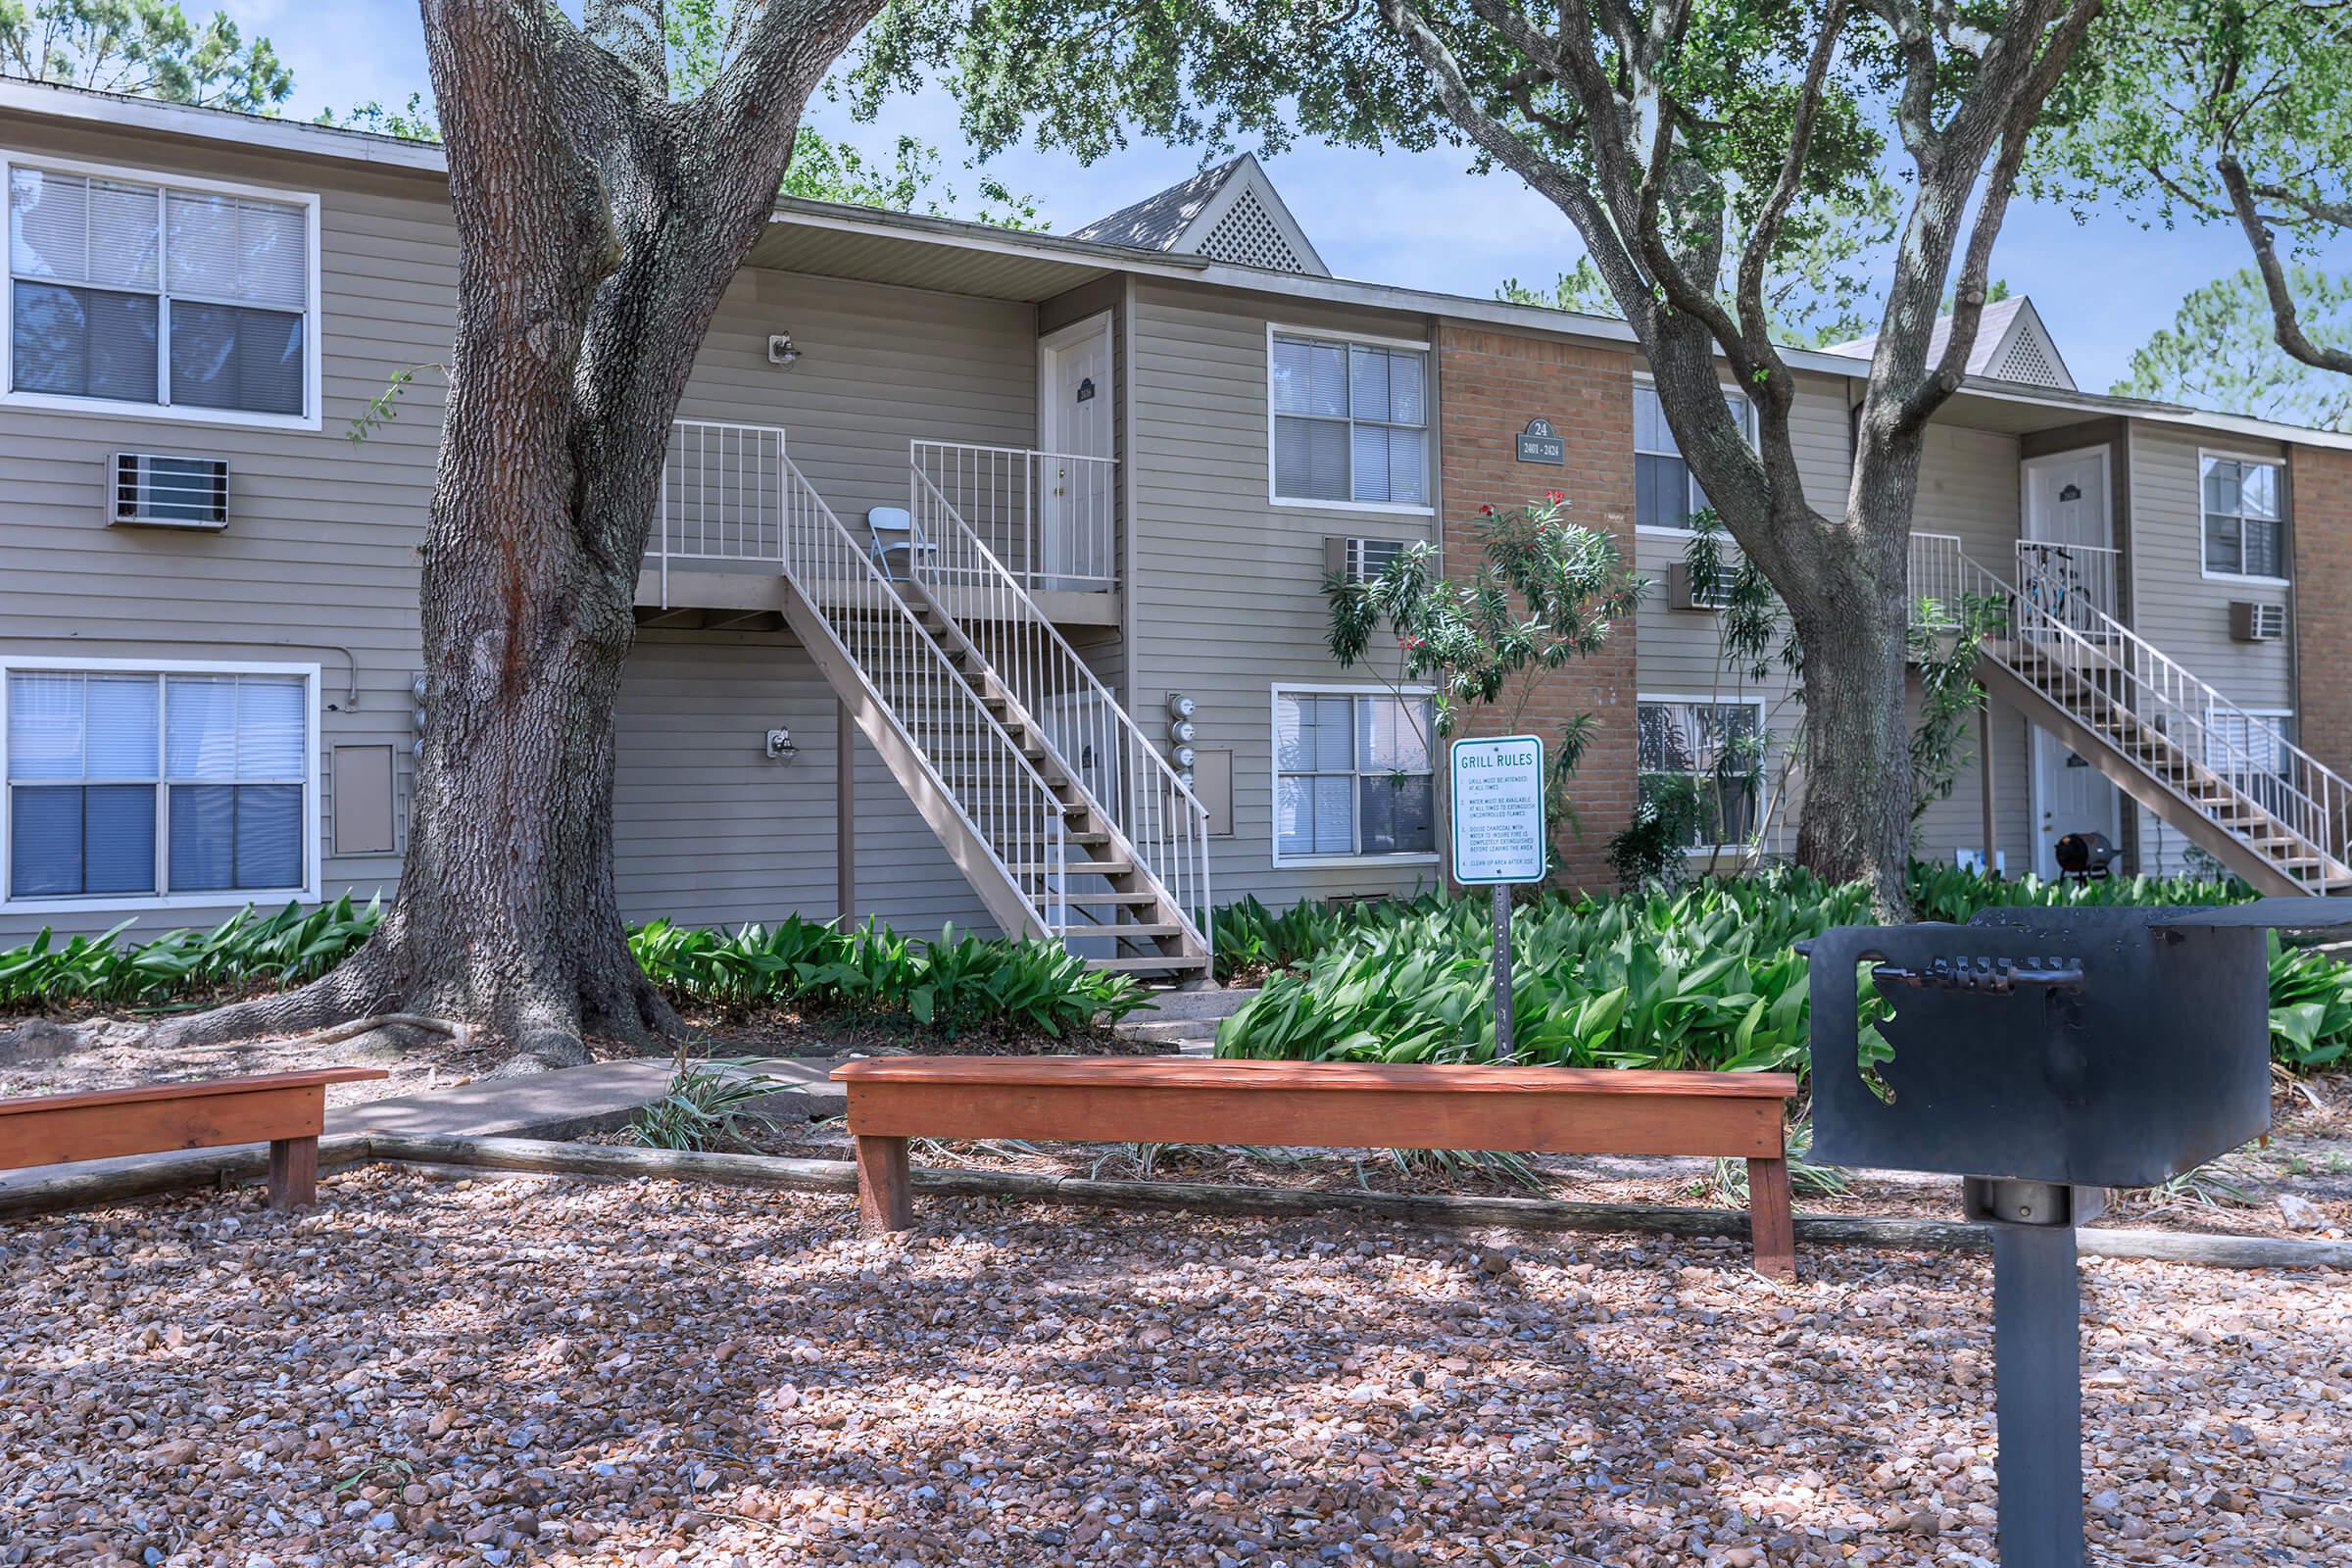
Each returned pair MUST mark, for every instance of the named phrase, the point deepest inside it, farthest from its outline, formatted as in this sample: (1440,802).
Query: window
(1351,775)
(123,291)
(124,782)
(1718,745)
(1664,492)
(1350,422)
(2246,531)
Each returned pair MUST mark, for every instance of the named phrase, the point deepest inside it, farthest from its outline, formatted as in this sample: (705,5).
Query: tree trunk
(599,226)
(1850,611)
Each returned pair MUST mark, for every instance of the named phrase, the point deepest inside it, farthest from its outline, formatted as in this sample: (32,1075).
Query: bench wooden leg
(885,1192)
(293,1172)
(1772,1227)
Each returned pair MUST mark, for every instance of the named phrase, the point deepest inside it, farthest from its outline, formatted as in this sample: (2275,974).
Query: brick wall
(1492,383)
(2321,494)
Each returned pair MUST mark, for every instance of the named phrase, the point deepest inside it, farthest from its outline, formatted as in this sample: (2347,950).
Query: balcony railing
(1049,517)
(2074,583)
(725,492)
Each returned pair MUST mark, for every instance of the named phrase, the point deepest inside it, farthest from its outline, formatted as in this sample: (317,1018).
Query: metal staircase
(1111,862)
(1146,833)
(2225,778)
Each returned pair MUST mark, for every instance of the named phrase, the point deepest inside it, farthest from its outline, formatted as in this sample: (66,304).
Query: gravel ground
(541,1370)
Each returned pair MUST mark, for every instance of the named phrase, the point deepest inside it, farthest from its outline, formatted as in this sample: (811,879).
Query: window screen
(136,293)
(114,778)
(1350,422)
(1351,775)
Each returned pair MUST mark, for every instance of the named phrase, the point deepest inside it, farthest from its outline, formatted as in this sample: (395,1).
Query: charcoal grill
(2044,1055)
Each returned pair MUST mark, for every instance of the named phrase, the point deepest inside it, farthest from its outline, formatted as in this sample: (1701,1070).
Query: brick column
(1490,384)
(2320,492)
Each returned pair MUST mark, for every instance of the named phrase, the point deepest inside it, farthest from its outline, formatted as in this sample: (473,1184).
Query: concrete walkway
(563,1105)
(1186,1020)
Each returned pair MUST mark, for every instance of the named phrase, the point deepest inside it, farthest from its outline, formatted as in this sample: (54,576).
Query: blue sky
(1420,220)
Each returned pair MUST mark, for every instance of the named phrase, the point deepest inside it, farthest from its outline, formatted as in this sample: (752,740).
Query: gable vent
(151,490)
(1246,236)
(2025,359)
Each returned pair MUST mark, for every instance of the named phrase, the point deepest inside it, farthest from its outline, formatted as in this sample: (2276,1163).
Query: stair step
(1140,929)
(1152,963)
(1074,869)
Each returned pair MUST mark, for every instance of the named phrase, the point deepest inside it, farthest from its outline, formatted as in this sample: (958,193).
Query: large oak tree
(599,220)
(1698,146)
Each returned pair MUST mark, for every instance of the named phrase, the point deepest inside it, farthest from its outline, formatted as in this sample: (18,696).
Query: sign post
(1499,839)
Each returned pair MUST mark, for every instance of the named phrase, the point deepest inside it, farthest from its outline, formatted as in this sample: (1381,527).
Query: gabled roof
(2012,345)
(1229,213)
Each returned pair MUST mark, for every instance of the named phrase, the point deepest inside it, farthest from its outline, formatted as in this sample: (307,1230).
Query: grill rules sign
(1498,809)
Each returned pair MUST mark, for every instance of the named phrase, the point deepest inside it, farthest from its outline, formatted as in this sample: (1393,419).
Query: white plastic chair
(893,528)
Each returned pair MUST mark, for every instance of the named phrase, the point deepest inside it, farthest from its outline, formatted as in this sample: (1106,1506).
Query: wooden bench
(287,1110)
(1335,1105)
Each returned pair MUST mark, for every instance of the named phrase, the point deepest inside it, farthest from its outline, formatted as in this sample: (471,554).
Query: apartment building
(987,587)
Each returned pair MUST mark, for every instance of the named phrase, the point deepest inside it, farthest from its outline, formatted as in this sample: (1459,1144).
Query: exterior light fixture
(781,349)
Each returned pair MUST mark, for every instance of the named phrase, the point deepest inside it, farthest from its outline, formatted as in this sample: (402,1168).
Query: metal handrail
(2308,798)
(722,495)
(976,765)
(1106,755)
(1003,495)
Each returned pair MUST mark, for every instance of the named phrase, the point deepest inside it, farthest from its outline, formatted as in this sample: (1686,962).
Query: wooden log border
(75,1189)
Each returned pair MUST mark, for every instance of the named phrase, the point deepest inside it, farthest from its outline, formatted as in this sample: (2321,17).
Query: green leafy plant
(949,986)
(1651,852)
(1546,594)
(245,951)
(709,1103)
(1701,978)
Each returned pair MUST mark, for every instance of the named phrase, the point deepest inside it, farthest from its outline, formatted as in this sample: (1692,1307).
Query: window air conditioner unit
(1685,590)
(152,491)
(2251,621)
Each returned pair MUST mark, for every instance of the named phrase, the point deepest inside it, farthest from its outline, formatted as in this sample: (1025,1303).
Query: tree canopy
(1708,152)
(142,48)
(2226,111)
(2221,352)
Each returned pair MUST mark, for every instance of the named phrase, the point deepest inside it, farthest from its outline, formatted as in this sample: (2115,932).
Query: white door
(1074,498)
(2070,796)
(2069,551)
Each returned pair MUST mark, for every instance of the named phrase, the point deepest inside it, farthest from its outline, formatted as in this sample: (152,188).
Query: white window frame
(1429,399)
(310,419)
(206,898)
(2286,527)
(1755,443)
(1275,695)
(1713,700)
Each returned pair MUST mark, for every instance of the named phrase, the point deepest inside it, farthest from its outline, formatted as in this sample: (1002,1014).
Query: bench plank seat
(1322,1105)
(287,1110)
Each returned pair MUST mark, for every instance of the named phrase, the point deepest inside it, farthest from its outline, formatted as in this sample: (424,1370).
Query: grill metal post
(2038,1364)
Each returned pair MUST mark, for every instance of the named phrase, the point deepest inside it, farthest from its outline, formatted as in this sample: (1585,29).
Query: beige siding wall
(709,830)
(317,563)
(1227,586)
(879,367)
(2181,609)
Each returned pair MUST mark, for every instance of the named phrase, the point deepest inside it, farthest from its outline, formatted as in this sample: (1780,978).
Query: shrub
(1706,978)
(951,985)
(245,951)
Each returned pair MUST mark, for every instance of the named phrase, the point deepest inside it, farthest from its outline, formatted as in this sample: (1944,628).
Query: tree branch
(1764,235)
(2286,319)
